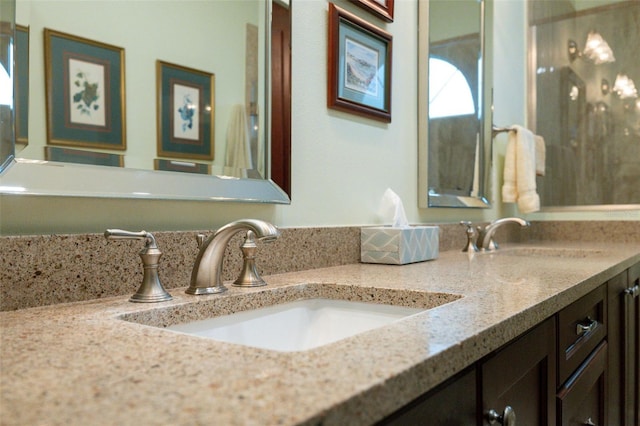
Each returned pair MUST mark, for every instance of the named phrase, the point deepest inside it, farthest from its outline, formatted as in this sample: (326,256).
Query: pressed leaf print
(87,97)
(186,115)
(187,111)
(87,86)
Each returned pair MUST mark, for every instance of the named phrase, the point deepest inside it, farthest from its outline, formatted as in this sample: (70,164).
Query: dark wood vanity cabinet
(522,376)
(624,348)
(582,397)
(453,403)
(579,367)
(581,327)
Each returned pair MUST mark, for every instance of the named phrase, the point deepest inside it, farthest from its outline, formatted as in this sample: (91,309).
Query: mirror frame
(35,177)
(426,197)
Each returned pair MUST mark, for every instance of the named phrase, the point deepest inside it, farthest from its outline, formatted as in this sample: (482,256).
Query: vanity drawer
(583,398)
(581,327)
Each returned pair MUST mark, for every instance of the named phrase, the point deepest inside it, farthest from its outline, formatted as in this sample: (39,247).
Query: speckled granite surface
(49,269)
(583,231)
(80,363)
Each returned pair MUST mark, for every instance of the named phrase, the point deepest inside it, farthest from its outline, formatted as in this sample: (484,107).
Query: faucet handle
(121,234)
(200,239)
(470,246)
(151,289)
(249,277)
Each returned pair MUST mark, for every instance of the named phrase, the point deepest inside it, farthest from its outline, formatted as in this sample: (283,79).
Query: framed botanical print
(359,66)
(21,84)
(68,155)
(181,166)
(85,91)
(186,101)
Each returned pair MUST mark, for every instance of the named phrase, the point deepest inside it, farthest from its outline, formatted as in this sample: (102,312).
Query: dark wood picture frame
(383,9)
(359,66)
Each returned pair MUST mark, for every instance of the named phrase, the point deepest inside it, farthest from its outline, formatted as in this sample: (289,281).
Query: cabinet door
(617,368)
(522,376)
(624,341)
(451,404)
(582,400)
(631,338)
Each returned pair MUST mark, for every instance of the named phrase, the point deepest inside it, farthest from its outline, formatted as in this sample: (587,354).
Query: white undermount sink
(292,318)
(297,326)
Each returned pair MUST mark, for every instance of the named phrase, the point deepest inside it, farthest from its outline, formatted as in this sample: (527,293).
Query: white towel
(520,167)
(541,155)
(238,153)
(475,186)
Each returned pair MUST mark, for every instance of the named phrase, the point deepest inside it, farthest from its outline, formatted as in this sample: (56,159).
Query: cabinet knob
(633,291)
(586,327)
(508,417)
(589,422)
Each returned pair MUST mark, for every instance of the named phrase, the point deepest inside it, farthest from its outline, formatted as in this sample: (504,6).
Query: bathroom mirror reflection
(453,151)
(225,41)
(584,75)
(7,18)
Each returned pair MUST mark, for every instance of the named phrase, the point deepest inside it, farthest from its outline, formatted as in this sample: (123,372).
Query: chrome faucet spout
(485,235)
(206,276)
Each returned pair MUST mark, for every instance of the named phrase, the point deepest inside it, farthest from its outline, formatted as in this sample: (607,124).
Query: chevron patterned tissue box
(398,246)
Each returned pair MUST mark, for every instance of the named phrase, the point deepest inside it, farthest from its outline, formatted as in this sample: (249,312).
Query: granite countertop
(81,363)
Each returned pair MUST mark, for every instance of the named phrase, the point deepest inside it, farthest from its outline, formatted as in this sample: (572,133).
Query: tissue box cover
(397,246)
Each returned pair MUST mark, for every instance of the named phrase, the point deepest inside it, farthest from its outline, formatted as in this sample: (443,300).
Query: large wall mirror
(454,150)
(584,74)
(7,26)
(188,116)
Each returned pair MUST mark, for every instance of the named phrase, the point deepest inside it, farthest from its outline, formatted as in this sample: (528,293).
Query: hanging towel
(260,160)
(475,186)
(520,167)
(541,155)
(238,154)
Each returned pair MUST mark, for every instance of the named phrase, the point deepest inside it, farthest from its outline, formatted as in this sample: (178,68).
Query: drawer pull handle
(589,422)
(508,417)
(633,291)
(587,327)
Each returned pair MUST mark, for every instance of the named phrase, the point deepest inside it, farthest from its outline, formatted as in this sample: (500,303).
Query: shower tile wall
(593,138)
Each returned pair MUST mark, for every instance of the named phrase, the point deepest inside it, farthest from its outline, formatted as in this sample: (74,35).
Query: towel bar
(496,130)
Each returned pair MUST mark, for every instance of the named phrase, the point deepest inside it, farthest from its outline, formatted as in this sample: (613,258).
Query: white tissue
(392,209)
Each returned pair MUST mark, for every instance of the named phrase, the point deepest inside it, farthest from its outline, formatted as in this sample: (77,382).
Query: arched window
(6,88)
(449,92)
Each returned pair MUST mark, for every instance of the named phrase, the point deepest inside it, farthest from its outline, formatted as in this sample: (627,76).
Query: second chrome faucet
(206,276)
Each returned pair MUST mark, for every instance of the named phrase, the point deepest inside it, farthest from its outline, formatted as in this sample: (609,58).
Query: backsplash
(49,269)
(586,231)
